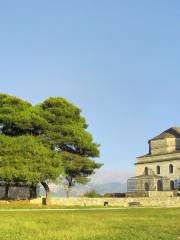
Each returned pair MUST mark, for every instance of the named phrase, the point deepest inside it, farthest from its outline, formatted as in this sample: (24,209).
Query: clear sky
(119,61)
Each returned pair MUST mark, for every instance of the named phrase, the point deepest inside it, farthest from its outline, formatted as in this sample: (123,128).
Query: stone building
(159,170)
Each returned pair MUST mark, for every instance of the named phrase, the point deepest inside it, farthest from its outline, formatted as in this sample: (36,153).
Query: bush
(92,194)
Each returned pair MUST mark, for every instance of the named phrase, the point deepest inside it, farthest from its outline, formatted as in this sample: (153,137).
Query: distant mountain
(109,187)
(78,190)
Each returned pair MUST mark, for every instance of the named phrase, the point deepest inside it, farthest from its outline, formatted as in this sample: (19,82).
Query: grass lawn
(130,224)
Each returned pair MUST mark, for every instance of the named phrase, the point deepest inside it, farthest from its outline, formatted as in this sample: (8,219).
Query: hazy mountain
(79,190)
(109,187)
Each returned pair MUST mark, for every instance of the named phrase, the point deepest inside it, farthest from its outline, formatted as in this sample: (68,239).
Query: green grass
(130,224)
(20,205)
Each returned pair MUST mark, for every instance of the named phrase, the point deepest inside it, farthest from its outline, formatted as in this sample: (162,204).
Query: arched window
(159,185)
(158,170)
(146,186)
(171,170)
(171,185)
(146,171)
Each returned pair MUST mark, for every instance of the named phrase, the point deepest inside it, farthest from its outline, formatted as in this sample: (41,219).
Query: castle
(159,170)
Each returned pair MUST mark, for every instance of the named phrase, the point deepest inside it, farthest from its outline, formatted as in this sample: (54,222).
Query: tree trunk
(48,197)
(68,192)
(69,185)
(7,191)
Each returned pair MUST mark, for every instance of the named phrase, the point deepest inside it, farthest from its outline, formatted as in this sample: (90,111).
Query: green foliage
(77,168)
(66,128)
(66,132)
(92,194)
(18,117)
(34,141)
(26,159)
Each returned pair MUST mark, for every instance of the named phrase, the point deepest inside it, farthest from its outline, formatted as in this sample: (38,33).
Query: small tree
(77,169)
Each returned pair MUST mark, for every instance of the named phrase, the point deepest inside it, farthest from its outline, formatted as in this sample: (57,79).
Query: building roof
(173,132)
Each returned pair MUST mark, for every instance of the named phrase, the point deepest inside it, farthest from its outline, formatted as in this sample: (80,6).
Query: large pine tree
(48,137)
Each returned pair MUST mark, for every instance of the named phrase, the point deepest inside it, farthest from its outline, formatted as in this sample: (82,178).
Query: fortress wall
(156,201)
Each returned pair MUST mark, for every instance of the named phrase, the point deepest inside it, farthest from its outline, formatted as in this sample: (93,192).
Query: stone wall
(162,194)
(157,201)
(163,146)
(153,162)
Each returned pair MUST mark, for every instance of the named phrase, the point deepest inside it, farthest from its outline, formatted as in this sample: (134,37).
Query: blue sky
(117,60)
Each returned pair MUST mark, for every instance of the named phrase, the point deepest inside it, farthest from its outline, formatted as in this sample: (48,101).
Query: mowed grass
(130,224)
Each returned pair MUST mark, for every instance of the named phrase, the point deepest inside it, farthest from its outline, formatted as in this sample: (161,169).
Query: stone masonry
(159,170)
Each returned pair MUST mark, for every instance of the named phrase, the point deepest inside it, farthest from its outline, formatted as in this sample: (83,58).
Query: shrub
(92,194)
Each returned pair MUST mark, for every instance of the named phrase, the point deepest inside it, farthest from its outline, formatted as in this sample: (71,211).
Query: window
(146,171)
(158,170)
(171,168)
(159,185)
(171,185)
